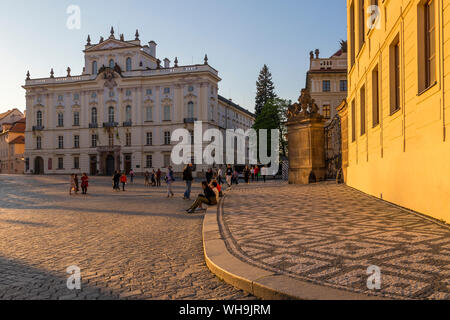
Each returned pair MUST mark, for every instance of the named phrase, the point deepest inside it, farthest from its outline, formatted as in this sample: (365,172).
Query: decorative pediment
(110,44)
(76,106)
(166,101)
(111,101)
(190,96)
(149,101)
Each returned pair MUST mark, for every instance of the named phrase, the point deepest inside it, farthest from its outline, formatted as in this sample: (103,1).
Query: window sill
(426,89)
(393,112)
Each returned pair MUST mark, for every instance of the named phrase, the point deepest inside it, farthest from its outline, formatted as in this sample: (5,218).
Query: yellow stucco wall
(406,158)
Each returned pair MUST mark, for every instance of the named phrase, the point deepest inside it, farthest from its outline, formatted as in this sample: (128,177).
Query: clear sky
(239,36)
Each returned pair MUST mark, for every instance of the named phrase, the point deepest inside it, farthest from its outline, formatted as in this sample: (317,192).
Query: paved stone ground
(132,245)
(330,234)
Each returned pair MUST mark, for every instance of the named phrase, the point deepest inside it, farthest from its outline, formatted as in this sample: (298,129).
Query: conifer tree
(265,90)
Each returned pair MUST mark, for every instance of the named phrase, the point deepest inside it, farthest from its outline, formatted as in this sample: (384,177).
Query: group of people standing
(75,184)
(153,179)
(121,178)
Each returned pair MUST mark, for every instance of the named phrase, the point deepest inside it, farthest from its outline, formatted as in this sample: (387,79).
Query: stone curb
(263,284)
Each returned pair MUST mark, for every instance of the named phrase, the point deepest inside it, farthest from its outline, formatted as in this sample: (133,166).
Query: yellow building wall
(406,158)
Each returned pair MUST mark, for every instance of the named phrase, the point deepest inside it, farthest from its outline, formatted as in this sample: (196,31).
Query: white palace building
(119,114)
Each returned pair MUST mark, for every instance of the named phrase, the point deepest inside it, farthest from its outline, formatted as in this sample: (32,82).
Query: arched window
(60,119)
(128,64)
(111,64)
(111,114)
(94,67)
(94,116)
(190,110)
(39,118)
(128,114)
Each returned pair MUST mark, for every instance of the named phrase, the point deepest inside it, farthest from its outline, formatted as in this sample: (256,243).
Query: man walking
(187,176)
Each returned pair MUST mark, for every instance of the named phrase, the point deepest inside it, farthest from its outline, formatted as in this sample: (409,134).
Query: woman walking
(169,180)
(84,183)
(209,197)
(72,184)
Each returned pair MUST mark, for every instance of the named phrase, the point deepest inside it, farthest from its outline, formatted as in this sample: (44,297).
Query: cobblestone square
(130,245)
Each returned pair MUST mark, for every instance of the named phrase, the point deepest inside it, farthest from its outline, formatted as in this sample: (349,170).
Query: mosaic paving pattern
(330,234)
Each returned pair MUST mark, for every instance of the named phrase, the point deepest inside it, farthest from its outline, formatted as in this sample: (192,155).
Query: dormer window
(128,64)
(111,64)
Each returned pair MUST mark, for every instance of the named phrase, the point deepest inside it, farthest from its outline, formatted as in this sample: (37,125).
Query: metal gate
(333,148)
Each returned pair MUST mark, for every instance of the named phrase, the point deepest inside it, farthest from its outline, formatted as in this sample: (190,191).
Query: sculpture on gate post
(306,141)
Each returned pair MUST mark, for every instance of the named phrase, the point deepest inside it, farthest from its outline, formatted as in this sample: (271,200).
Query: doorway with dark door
(127,163)
(93,166)
(110,166)
(38,165)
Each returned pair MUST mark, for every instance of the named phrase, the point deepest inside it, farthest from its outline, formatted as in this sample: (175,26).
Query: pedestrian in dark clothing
(116,181)
(209,176)
(132,176)
(153,178)
(77,185)
(158,178)
(247,175)
(188,178)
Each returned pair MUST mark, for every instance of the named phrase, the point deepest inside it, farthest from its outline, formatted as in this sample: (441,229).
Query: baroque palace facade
(397,116)
(326,81)
(119,114)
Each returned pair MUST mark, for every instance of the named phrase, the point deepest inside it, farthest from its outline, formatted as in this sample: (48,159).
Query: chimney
(317,52)
(152,48)
(166,63)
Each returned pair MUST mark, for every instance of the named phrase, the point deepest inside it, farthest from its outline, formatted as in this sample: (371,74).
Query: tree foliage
(265,89)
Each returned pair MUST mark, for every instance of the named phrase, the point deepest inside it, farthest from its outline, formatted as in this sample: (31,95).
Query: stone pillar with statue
(306,140)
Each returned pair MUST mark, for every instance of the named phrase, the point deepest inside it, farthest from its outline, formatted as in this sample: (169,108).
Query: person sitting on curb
(210,198)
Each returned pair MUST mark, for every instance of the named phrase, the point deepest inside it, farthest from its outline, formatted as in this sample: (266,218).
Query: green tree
(265,89)
(273,116)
